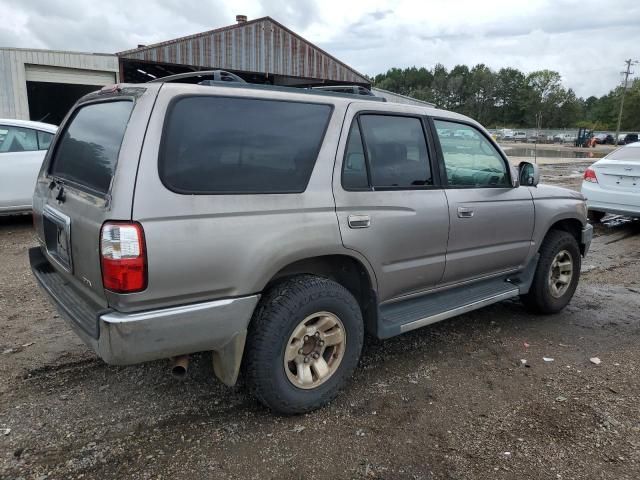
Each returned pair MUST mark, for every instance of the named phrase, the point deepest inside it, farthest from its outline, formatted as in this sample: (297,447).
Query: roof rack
(353,89)
(215,75)
(228,79)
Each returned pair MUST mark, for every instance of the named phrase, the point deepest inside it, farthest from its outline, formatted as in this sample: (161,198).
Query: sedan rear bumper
(606,200)
(128,338)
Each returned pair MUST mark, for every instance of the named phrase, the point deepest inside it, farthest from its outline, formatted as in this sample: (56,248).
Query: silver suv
(275,227)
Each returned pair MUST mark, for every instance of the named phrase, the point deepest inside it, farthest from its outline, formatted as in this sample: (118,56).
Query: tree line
(511,98)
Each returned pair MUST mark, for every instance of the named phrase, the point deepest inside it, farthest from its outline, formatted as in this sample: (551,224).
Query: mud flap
(227,360)
(524,279)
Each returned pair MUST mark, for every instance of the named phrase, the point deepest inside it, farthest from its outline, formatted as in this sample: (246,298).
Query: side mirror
(528,174)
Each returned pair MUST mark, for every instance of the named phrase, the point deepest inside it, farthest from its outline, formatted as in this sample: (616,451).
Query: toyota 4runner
(275,227)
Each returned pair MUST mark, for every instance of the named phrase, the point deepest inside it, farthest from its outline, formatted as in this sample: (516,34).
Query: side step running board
(400,317)
(459,311)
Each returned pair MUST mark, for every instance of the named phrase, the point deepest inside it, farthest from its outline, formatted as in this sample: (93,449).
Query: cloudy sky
(586,41)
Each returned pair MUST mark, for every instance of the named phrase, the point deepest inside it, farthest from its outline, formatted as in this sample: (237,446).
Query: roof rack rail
(222,78)
(353,89)
(212,76)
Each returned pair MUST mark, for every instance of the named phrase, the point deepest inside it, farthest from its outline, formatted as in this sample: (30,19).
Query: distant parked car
(612,184)
(564,137)
(628,138)
(604,139)
(22,148)
(520,137)
(507,135)
(538,138)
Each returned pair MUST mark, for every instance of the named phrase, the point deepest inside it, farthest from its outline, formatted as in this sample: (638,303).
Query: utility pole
(626,74)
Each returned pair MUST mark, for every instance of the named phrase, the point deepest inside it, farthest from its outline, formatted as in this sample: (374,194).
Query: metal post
(626,74)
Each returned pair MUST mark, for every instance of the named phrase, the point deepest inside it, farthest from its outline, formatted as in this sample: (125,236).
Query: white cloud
(586,41)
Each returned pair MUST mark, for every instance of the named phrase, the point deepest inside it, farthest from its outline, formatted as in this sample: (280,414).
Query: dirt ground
(449,401)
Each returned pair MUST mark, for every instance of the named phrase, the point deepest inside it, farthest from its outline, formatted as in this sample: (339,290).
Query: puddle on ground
(545,153)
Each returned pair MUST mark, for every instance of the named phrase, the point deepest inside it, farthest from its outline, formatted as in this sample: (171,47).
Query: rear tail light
(590,175)
(123,257)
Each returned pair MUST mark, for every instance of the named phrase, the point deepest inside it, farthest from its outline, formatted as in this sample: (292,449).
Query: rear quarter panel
(202,247)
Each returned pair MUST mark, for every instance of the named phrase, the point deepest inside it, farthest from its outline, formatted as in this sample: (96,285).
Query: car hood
(543,191)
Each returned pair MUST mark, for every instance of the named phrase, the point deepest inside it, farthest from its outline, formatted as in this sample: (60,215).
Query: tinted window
(237,145)
(44,140)
(397,151)
(625,153)
(354,168)
(17,139)
(470,159)
(87,152)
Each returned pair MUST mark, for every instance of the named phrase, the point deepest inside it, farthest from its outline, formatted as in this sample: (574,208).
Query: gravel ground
(450,401)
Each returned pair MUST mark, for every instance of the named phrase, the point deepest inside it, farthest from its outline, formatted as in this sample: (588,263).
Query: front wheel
(304,343)
(557,273)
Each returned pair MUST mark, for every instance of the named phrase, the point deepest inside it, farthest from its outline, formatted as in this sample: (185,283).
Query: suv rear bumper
(128,338)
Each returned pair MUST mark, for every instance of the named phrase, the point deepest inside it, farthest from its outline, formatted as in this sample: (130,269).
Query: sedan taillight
(590,175)
(123,257)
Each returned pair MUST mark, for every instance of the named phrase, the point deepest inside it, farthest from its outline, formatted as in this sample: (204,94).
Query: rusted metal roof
(262,45)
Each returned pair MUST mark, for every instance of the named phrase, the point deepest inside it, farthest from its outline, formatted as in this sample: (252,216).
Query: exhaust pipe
(180,366)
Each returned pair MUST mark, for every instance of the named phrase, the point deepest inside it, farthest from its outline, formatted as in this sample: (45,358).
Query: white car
(520,137)
(612,184)
(565,137)
(23,145)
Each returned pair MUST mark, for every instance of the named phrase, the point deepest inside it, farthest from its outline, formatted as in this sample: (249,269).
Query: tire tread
(279,304)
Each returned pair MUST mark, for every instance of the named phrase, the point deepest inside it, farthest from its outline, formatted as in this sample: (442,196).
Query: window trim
(440,154)
(38,132)
(163,139)
(435,170)
(59,135)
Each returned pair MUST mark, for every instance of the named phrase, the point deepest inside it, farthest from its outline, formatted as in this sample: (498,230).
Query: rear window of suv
(221,145)
(88,150)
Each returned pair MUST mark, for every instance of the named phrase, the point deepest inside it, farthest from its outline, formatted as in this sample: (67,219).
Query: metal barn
(43,84)
(261,51)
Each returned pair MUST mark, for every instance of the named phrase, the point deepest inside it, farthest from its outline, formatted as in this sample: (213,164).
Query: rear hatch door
(88,178)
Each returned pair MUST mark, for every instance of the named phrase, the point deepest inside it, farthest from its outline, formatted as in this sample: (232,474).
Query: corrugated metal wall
(13,87)
(261,46)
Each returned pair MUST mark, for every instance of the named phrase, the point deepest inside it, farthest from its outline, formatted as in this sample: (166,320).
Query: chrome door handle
(359,221)
(465,212)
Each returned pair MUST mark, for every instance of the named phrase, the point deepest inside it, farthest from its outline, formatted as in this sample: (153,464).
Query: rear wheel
(304,343)
(595,216)
(557,273)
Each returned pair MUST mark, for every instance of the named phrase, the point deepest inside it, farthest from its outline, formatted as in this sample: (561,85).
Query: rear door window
(220,145)
(17,139)
(87,152)
(396,151)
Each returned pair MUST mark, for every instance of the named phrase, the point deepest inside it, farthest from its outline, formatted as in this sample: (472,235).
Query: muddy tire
(557,273)
(303,345)
(595,216)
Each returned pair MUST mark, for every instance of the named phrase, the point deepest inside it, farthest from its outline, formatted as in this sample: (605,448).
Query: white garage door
(44,73)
